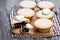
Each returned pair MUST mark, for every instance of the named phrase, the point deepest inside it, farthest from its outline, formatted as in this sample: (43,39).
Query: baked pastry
(28,13)
(19,21)
(43,25)
(27,4)
(46,4)
(45,13)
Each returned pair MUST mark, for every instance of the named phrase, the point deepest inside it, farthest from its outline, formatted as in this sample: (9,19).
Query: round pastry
(28,13)
(45,13)
(27,4)
(43,25)
(46,4)
(19,21)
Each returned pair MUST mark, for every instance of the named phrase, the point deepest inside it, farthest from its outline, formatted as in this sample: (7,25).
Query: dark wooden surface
(5,7)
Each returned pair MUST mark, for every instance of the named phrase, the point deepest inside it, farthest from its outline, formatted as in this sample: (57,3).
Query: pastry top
(46,4)
(16,21)
(19,18)
(45,13)
(27,4)
(43,23)
(13,21)
(28,13)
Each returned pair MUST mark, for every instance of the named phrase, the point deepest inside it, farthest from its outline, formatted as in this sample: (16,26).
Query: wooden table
(5,6)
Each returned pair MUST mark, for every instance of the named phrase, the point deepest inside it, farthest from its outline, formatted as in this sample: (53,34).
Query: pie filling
(21,25)
(25,29)
(18,25)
